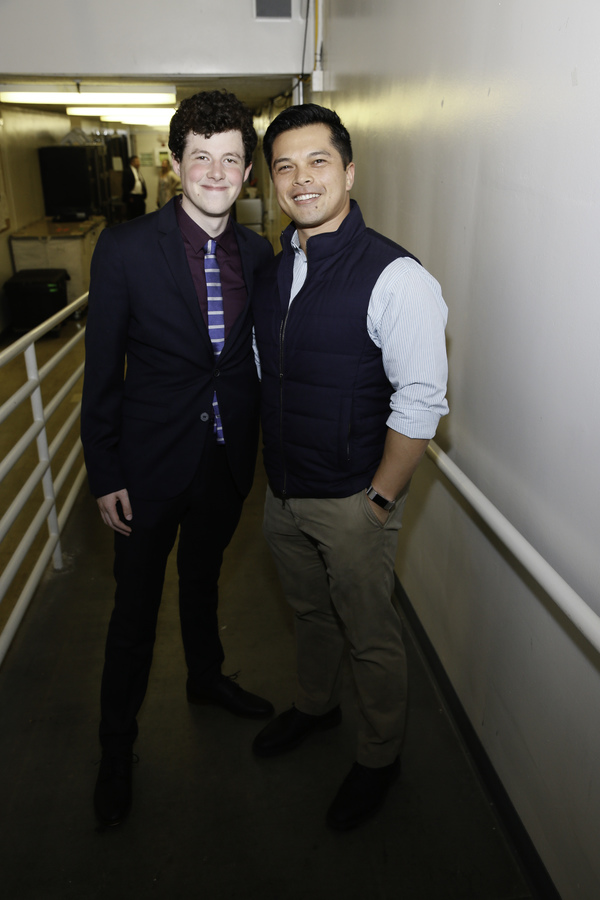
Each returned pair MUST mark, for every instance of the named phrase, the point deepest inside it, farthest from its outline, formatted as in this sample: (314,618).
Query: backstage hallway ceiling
(256,91)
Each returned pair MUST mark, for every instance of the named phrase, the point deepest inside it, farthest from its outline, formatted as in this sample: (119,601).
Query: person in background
(350,334)
(134,189)
(170,439)
(169,184)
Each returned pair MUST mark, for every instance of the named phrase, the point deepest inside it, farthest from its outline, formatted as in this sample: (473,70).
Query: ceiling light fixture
(86,94)
(127,115)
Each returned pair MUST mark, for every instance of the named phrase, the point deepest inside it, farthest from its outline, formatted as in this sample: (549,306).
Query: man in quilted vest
(350,338)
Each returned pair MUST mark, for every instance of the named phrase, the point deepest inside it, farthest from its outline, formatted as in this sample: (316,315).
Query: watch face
(379,500)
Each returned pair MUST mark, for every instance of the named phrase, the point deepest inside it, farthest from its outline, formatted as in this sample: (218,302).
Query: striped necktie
(216,318)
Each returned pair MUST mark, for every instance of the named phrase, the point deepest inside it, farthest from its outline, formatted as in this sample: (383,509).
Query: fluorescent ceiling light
(85,94)
(138,116)
(127,115)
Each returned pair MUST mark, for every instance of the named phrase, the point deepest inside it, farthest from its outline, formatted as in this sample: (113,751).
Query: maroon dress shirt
(230,264)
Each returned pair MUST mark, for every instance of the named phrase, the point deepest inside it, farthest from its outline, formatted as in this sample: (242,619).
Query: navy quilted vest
(325,395)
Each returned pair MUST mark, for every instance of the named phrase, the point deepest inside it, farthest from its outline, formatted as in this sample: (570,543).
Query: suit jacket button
(216,373)
(204,417)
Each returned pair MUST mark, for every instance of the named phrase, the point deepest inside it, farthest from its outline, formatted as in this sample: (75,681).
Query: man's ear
(349,176)
(175,164)
(247,172)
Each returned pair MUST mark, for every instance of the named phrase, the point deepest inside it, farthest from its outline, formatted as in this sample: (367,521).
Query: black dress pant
(206,515)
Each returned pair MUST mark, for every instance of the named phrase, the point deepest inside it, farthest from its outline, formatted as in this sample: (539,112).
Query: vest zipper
(281,340)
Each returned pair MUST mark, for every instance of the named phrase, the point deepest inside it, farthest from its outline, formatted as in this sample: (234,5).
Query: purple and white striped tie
(216,318)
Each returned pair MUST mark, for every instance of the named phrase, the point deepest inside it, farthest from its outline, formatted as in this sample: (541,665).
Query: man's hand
(381,513)
(401,456)
(108,506)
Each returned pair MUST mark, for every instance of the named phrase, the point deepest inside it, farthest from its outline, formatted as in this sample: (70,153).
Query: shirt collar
(197,237)
(295,242)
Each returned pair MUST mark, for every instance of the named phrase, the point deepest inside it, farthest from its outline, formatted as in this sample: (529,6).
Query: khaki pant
(336,565)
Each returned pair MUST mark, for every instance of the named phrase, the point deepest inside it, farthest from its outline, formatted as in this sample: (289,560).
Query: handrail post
(37,408)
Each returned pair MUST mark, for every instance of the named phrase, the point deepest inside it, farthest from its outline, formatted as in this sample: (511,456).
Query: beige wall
(476,133)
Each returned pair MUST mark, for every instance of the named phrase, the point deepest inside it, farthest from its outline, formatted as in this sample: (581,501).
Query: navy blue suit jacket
(143,429)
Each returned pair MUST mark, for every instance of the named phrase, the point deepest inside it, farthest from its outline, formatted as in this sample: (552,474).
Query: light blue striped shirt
(406,319)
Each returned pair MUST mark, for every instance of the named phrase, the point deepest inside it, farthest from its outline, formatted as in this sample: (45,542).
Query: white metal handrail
(573,606)
(52,485)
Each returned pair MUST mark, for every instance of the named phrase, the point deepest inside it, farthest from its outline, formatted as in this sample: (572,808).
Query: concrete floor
(209,820)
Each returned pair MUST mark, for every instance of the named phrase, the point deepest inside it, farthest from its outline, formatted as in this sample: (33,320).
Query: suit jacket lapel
(247,259)
(173,248)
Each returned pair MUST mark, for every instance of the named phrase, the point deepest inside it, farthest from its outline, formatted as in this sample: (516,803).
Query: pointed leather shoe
(112,795)
(290,728)
(226,693)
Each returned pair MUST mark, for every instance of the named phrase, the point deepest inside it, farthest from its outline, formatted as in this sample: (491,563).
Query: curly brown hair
(208,113)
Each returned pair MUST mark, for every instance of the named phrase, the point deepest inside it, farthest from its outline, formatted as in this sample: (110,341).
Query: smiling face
(212,172)
(312,184)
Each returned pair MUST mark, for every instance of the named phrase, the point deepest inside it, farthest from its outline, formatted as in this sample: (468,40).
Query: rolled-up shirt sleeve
(406,319)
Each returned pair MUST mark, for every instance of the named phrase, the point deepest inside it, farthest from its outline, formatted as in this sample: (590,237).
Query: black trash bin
(34,295)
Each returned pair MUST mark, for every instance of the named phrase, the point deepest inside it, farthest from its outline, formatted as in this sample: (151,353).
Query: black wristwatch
(379,500)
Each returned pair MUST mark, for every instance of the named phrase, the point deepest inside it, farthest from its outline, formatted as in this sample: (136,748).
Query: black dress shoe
(226,693)
(361,795)
(112,796)
(290,728)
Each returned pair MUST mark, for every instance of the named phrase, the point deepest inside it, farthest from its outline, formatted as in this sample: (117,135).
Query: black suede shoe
(290,728)
(112,796)
(226,693)
(361,795)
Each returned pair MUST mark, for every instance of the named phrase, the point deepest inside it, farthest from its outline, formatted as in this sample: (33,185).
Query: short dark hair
(308,114)
(208,113)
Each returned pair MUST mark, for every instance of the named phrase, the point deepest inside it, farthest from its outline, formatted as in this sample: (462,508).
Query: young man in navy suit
(169,421)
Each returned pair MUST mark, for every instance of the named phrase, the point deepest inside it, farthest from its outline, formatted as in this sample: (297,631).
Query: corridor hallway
(209,820)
